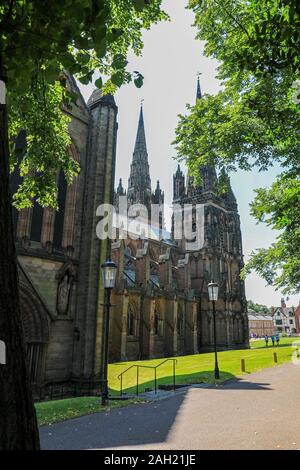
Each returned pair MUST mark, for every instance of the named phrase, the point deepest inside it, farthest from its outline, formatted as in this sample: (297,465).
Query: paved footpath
(259,411)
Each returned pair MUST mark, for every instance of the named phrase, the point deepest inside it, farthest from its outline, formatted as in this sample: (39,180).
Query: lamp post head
(213,291)
(109,272)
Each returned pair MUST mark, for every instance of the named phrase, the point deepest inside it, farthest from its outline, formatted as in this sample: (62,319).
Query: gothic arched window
(158,324)
(36,223)
(180,323)
(154,272)
(60,214)
(129,266)
(15,182)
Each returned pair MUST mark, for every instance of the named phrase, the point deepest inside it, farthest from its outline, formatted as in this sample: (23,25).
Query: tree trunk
(18,425)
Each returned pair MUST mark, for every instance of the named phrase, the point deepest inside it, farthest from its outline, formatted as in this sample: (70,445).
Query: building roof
(97,97)
(261,317)
(284,310)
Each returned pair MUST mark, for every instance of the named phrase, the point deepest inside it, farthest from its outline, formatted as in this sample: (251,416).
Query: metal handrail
(139,366)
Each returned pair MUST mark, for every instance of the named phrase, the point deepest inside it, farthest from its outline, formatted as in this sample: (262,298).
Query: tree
(254,121)
(39,39)
(278,206)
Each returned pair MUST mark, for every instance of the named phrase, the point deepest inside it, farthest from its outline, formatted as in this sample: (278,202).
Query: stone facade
(59,253)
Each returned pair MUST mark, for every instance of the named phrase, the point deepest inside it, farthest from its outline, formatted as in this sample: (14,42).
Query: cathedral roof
(95,97)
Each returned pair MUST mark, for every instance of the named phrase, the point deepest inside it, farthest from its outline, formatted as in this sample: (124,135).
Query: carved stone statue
(63,294)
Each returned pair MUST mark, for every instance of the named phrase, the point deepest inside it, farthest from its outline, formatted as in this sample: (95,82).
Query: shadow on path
(132,425)
(241,384)
(139,424)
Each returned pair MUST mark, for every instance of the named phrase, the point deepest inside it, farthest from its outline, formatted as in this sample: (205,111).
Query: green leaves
(119,61)
(99,83)
(38,42)
(83,58)
(138,79)
(86,79)
(139,5)
(117,79)
(39,114)
(80,36)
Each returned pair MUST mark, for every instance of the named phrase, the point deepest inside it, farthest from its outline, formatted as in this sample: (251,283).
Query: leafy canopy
(255,119)
(81,36)
(47,141)
(39,39)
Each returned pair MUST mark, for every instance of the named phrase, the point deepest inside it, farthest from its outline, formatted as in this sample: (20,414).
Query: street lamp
(213,290)
(109,271)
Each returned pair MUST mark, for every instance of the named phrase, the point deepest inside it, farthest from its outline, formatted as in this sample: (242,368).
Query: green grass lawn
(190,369)
(199,367)
(50,412)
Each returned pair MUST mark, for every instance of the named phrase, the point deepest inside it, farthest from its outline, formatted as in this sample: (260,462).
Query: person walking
(273,340)
(277,339)
(267,340)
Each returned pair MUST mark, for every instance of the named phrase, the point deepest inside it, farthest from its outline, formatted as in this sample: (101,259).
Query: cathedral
(161,305)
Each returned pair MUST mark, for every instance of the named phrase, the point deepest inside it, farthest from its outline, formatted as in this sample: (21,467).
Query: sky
(171,60)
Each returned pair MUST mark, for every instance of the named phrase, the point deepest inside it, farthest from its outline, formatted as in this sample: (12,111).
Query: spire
(178,171)
(158,195)
(139,183)
(178,183)
(140,148)
(198,94)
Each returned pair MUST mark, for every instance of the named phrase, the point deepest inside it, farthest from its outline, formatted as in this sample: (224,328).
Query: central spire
(139,183)
(207,172)
(140,148)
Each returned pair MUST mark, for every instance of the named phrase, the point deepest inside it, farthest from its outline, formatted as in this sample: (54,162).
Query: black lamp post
(213,290)
(109,271)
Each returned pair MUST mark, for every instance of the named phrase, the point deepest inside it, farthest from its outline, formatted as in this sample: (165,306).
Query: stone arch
(36,332)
